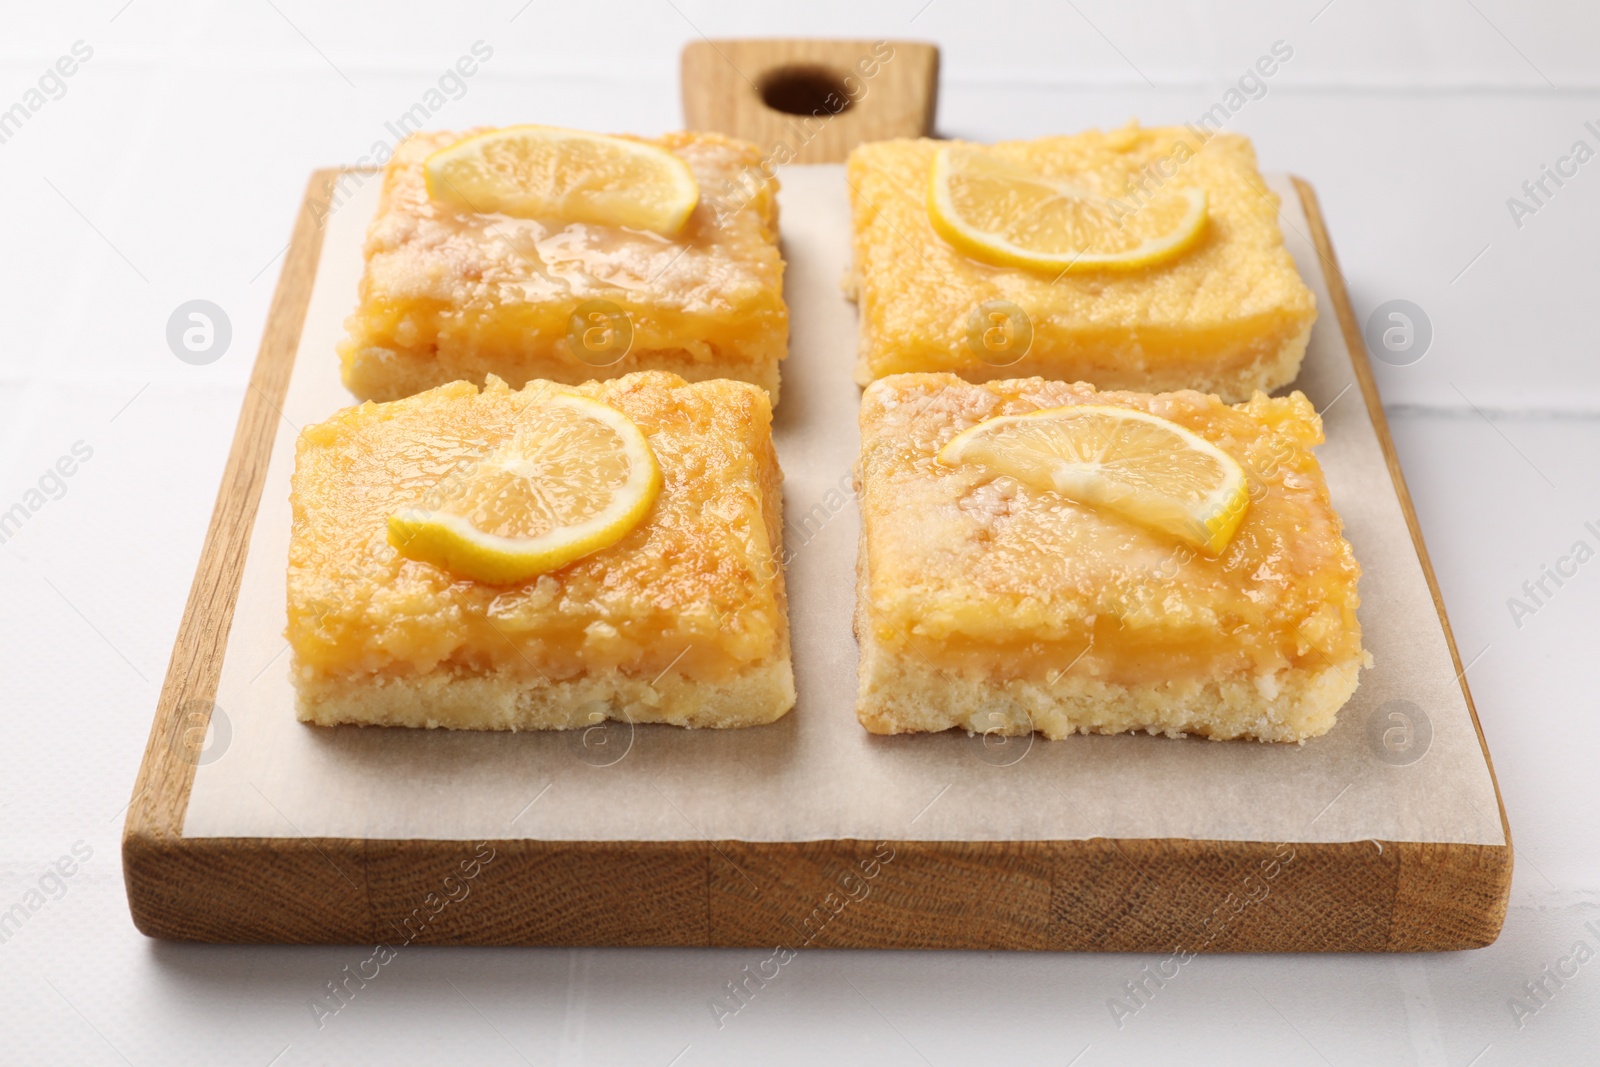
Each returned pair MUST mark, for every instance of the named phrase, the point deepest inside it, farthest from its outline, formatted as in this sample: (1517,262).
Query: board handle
(810,100)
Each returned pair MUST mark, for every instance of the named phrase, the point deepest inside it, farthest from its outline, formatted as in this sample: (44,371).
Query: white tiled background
(171,168)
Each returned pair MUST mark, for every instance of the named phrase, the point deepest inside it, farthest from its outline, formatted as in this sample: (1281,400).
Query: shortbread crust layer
(683,620)
(990,605)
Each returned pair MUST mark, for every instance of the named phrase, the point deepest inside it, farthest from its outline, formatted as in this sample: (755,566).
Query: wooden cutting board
(811,101)
(1386,835)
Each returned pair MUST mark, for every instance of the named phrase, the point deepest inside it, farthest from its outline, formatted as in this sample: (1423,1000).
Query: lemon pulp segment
(573,477)
(998,212)
(1139,465)
(567,175)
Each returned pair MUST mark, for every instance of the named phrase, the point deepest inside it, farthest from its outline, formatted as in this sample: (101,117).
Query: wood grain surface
(1147,895)
(835,94)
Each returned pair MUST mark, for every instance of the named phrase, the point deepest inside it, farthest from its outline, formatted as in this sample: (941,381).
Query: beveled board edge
(1149,895)
(161,791)
(1356,344)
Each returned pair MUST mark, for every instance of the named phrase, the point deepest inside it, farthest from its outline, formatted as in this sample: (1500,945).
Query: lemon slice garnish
(574,477)
(997,212)
(567,175)
(1141,466)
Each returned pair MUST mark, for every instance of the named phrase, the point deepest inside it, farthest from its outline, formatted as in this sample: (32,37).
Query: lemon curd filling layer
(692,596)
(449,293)
(1229,314)
(981,596)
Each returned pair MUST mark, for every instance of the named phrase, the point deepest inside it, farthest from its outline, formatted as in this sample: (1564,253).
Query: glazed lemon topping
(574,477)
(990,574)
(1141,466)
(566,175)
(995,211)
(701,570)
(449,294)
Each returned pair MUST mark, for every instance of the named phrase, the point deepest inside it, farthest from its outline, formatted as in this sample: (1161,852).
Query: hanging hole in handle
(805,90)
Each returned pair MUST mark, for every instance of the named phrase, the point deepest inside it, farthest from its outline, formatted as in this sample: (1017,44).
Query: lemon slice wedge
(1141,466)
(999,213)
(548,172)
(574,477)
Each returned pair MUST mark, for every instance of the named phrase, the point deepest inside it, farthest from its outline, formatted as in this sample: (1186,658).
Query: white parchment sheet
(816,774)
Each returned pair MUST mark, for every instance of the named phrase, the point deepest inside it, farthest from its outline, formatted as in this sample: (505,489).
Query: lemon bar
(988,604)
(1228,315)
(682,621)
(450,294)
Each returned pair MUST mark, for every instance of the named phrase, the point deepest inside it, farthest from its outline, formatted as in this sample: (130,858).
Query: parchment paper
(816,774)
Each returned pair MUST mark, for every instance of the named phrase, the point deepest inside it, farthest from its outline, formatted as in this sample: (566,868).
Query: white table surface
(170,169)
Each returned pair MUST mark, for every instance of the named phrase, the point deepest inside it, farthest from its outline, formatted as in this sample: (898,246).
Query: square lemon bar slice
(450,293)
(682,621)
(989,604)
(1229,314)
